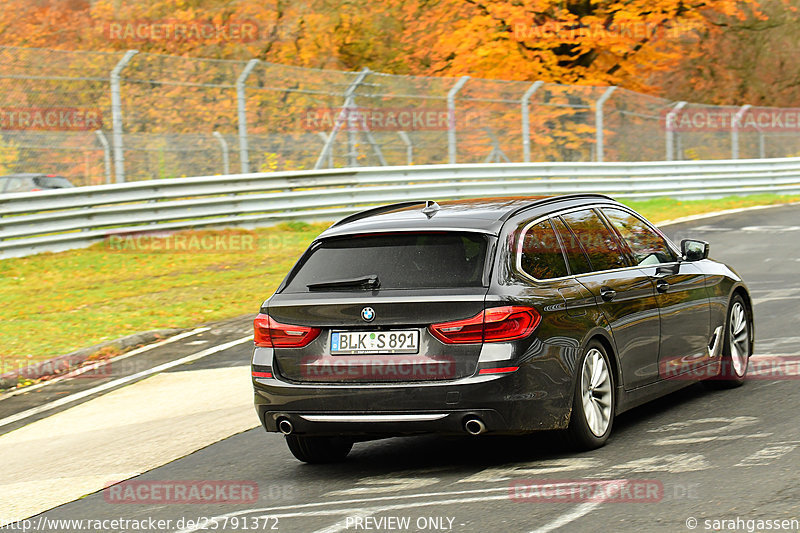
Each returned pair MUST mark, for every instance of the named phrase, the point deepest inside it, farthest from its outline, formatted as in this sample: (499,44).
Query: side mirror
(694,250)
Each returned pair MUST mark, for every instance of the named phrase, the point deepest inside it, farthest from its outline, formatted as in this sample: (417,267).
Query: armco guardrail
(72,218)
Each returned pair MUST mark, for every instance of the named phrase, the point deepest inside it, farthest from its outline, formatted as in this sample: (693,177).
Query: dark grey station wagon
(491,316)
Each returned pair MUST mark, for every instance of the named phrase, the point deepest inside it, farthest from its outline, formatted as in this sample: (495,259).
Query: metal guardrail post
(737,118)
(226,162)
(669,129)
(598,121)
(244,154)
(409,147)
(451,118)
(106,153)
(349,98)
(116,115)
(526,121)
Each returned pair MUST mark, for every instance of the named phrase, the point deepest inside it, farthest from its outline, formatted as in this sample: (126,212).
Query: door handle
(607,293)
(662,285)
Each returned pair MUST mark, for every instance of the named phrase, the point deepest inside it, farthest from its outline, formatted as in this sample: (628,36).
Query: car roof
(485,215)
(26,175)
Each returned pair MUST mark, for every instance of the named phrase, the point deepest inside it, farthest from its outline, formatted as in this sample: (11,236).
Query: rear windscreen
(399,260)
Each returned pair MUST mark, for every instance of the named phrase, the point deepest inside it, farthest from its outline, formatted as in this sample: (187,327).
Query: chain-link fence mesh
(181,116)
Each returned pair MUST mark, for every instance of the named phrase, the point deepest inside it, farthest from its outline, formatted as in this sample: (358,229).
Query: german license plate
(353,342)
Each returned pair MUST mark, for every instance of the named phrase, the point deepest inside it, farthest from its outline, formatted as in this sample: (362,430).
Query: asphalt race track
(709,456)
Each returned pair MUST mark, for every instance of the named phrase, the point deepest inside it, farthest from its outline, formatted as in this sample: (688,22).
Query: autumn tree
(607,42)
(747,61)
(599,43)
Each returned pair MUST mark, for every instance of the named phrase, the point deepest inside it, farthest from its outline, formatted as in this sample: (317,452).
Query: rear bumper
(531,399)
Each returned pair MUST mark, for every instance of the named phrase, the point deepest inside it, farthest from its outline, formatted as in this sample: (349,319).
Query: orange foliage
(594,43)
(609,42)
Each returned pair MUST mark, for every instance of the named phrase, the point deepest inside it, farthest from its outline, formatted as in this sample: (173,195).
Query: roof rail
(550,199)
(376,211)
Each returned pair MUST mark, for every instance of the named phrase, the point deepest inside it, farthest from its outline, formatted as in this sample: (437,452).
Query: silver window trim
(675,249)
(518,251)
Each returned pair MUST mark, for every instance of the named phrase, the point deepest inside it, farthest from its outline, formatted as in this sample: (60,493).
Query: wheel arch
(740,290)
(602,336)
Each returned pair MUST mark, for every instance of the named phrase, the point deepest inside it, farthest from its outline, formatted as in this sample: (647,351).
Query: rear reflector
(271,334)
(497,324)
(504,370)
(262,374)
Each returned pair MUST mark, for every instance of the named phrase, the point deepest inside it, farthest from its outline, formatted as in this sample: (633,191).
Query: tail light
(272,334)
(498,370)
(498,324)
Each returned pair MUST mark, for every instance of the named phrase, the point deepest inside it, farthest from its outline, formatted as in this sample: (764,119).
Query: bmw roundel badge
(368,314)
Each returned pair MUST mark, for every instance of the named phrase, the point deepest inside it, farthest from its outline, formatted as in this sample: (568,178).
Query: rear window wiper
(366,282)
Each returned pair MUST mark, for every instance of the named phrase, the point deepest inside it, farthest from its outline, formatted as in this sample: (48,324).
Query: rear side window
(16,185)
(540,254)
(647,246)
(578,262)
(597,240)
(398,260)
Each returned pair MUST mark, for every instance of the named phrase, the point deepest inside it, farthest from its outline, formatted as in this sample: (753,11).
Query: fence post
(598,120)
(737,118)
(226,162)
(526,121)
(668,129)
(116,115)
(324,138)
(409,147)
(244,155)
(349,97)
(106,153)
(451,118)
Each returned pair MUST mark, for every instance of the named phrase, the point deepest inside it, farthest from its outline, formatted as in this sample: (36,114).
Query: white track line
(79,371)
(268,510)
(581,510)
(121,381)
(351,511)
(304,509)
(692,218)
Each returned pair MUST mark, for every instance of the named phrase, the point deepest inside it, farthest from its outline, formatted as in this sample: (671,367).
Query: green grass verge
(56,303)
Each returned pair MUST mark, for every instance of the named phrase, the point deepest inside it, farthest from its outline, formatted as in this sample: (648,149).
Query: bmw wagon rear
(425,318)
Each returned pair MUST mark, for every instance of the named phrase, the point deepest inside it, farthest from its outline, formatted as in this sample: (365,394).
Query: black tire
(319,450)
(733,371)
(579,435)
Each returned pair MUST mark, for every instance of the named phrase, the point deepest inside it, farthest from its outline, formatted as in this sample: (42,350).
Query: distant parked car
(30,182)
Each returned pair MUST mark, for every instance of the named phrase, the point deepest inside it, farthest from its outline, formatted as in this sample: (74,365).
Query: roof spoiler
(376,211)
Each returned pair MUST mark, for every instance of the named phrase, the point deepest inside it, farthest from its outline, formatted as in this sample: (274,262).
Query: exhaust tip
(284,426)
(474,426)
